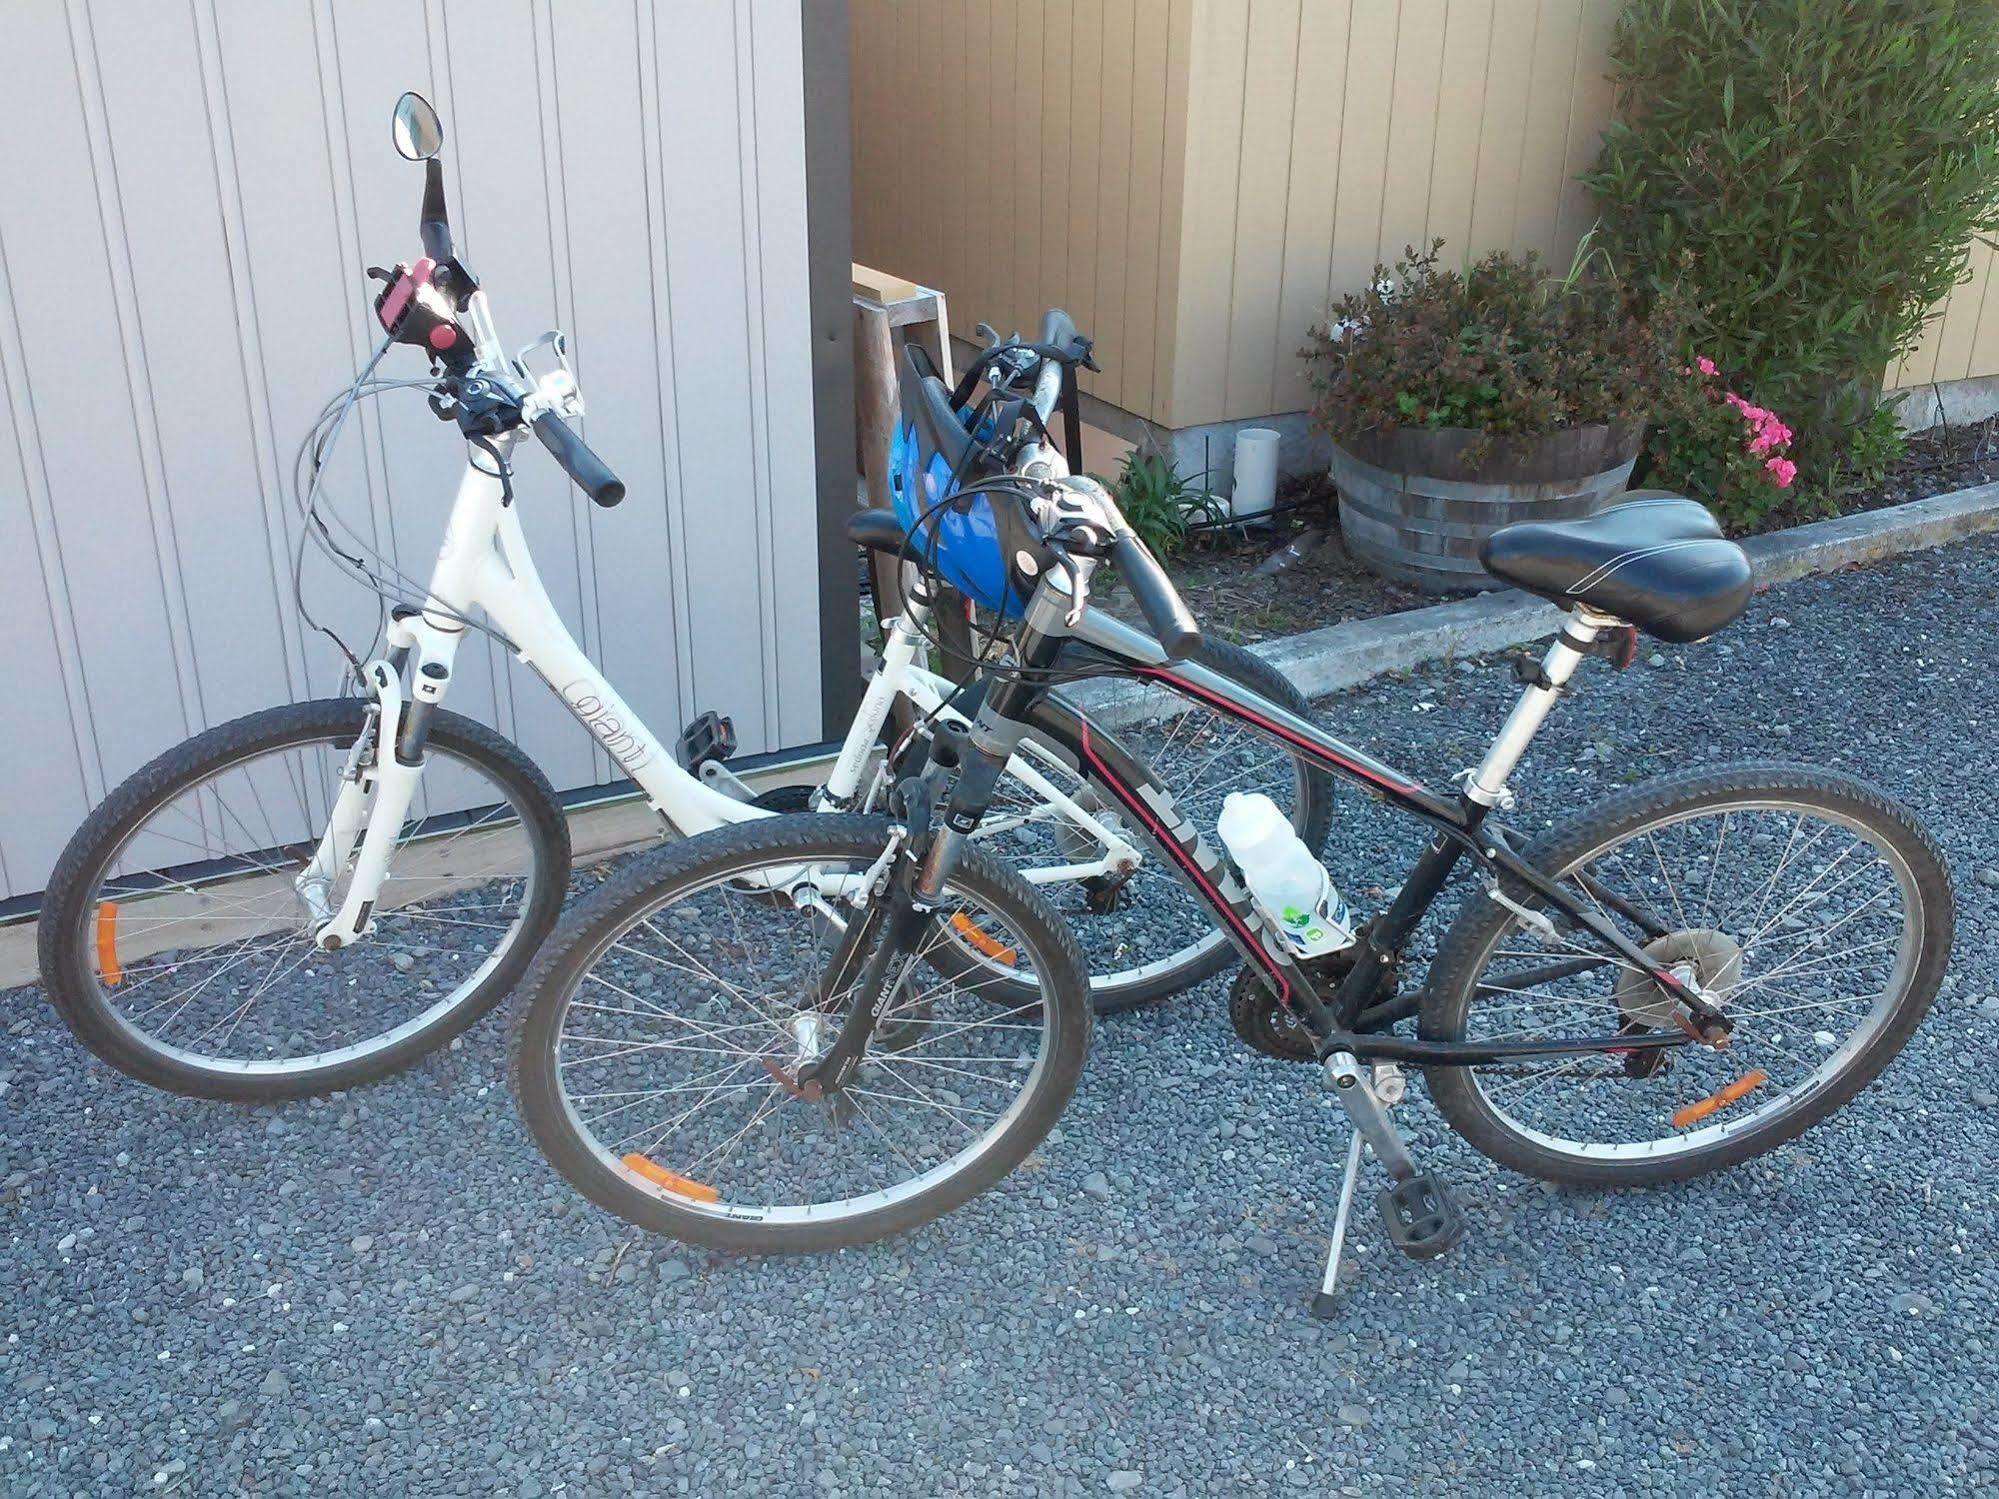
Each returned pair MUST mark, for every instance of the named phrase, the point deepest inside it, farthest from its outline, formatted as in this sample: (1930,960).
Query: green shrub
(1500,346)
(1807,176)
(1158,502)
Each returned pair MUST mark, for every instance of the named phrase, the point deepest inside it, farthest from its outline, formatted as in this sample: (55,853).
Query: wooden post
(885,309)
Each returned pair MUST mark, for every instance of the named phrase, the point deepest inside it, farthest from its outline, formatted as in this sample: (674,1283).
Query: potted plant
(1459,402)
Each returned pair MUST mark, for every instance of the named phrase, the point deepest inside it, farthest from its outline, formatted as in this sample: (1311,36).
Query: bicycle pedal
(1421,1216)
(709,737)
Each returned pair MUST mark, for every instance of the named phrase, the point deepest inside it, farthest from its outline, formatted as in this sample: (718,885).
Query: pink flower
(1706,366)
(1782,472)
(1770,433)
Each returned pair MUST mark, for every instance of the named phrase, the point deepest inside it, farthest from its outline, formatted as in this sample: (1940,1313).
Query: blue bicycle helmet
(977,540)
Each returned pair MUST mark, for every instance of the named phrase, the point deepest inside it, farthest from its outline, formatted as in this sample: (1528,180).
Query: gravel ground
(389,1291)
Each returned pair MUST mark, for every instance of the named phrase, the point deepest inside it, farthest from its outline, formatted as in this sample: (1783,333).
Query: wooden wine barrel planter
(1415,510)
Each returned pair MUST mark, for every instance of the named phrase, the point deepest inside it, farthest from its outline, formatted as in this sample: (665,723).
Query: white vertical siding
(189,195)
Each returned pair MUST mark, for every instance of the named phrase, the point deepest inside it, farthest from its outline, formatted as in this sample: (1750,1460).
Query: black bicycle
(767,1038)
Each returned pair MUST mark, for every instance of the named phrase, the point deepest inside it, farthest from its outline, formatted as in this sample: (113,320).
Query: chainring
(1263,1024)
(1266,1026)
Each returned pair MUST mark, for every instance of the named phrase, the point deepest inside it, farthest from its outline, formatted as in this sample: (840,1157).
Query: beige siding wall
(1961,340)
(1021,154)
(1328,134)
(1195,180)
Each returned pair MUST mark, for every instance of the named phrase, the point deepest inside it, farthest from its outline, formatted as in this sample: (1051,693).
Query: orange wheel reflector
(1721,1098)
(107,942)
(985,942)
(673,1181)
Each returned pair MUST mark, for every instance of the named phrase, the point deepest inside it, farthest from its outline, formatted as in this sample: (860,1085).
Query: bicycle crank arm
(1416,1207)
(1368,1114)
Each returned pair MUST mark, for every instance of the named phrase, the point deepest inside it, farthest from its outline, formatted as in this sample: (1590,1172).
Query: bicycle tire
(1654,805)
(649,884)
(67,951)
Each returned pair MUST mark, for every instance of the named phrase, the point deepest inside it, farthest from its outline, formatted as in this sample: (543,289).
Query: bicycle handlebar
(1158,600)
(592,474)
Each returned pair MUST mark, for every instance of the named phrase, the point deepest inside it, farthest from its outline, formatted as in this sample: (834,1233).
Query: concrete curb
(1341,656)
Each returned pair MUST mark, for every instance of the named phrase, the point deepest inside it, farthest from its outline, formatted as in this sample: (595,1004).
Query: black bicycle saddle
(1657,560)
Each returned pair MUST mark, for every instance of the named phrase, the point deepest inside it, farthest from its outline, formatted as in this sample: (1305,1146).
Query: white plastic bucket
(1255,473)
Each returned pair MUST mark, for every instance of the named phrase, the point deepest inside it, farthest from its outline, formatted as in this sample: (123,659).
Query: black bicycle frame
(1353,1018)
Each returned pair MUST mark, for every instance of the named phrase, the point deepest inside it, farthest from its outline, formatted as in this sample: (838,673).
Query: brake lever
(1079,583)
(1090,547)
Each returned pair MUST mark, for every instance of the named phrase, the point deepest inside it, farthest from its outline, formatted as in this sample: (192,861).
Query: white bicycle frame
(484,564)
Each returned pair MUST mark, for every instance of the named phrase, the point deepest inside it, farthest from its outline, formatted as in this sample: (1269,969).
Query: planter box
(1415,510)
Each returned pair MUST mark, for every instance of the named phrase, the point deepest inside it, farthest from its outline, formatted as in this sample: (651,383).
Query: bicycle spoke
(201,946)
(1803,958)
(687,1046)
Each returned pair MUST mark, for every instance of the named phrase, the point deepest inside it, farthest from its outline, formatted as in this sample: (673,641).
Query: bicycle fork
(377,786)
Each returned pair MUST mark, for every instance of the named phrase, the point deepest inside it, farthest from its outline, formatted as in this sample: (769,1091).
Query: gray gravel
(390,1291)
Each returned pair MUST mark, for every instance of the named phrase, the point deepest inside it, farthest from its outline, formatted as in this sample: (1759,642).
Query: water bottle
(1290,887)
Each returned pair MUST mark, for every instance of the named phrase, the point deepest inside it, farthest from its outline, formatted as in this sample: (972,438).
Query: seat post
(1487,785)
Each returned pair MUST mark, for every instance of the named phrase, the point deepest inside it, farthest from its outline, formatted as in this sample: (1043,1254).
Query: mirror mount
(434,224)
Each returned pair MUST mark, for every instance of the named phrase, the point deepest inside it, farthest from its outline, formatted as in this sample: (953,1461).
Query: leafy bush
(1158,502)
(1501,346)
(1806,176)
(1724,450)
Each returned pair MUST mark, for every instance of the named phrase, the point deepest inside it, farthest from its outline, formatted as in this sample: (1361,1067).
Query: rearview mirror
(419,135)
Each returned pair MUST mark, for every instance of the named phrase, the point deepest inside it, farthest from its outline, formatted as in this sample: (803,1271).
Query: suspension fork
(897,910)
(923,866)
(378,798)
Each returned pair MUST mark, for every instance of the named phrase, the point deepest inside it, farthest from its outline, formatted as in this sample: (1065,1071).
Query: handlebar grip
(592,475)
(1158,600)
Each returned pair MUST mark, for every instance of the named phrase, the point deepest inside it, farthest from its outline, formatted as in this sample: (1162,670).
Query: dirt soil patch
(1294,573)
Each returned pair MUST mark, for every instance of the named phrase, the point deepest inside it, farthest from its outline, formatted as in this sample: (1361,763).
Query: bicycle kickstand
(1323,1304)
(1416,1207)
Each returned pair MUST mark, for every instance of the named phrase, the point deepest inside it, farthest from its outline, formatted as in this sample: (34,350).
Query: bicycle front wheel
(1813,911)
(659,1061)
(175,945)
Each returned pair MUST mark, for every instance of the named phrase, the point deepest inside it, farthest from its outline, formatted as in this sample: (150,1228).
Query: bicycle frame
(1354,1017)
(484,564)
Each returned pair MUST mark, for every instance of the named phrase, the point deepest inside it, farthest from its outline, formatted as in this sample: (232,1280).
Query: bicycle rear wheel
(174,945)
(1816,913)
(658,1062)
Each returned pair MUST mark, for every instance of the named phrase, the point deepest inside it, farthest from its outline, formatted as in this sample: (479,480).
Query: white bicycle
(317,894)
